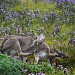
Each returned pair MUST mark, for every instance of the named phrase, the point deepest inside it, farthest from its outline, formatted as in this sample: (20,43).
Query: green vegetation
(44,67)
(11,66)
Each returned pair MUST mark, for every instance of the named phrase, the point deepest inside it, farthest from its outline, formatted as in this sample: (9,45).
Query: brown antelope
(19,45)
(43,51)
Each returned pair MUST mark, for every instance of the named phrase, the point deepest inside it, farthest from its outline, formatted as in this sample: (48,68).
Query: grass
(42,6)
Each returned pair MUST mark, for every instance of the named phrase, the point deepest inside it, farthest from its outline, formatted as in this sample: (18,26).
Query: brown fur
(18,43)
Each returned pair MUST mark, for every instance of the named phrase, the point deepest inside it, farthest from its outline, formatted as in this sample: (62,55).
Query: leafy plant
(10,66)
(44,67)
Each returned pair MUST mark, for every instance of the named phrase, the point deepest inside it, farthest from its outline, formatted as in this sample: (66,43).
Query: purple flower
(73,32)
(24,71)
(45,18)
(59,45)
(43,21)
(32,15)
(6,35)
(1,39)
(8,17)
(28,33)
(12,26)
(7,29)
(0,28)
(15,14)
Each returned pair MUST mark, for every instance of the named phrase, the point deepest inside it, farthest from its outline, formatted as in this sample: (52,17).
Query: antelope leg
(24,54)
(19,51)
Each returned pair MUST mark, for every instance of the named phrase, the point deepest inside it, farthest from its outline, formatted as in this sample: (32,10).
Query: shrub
(44,67)
(10,66)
